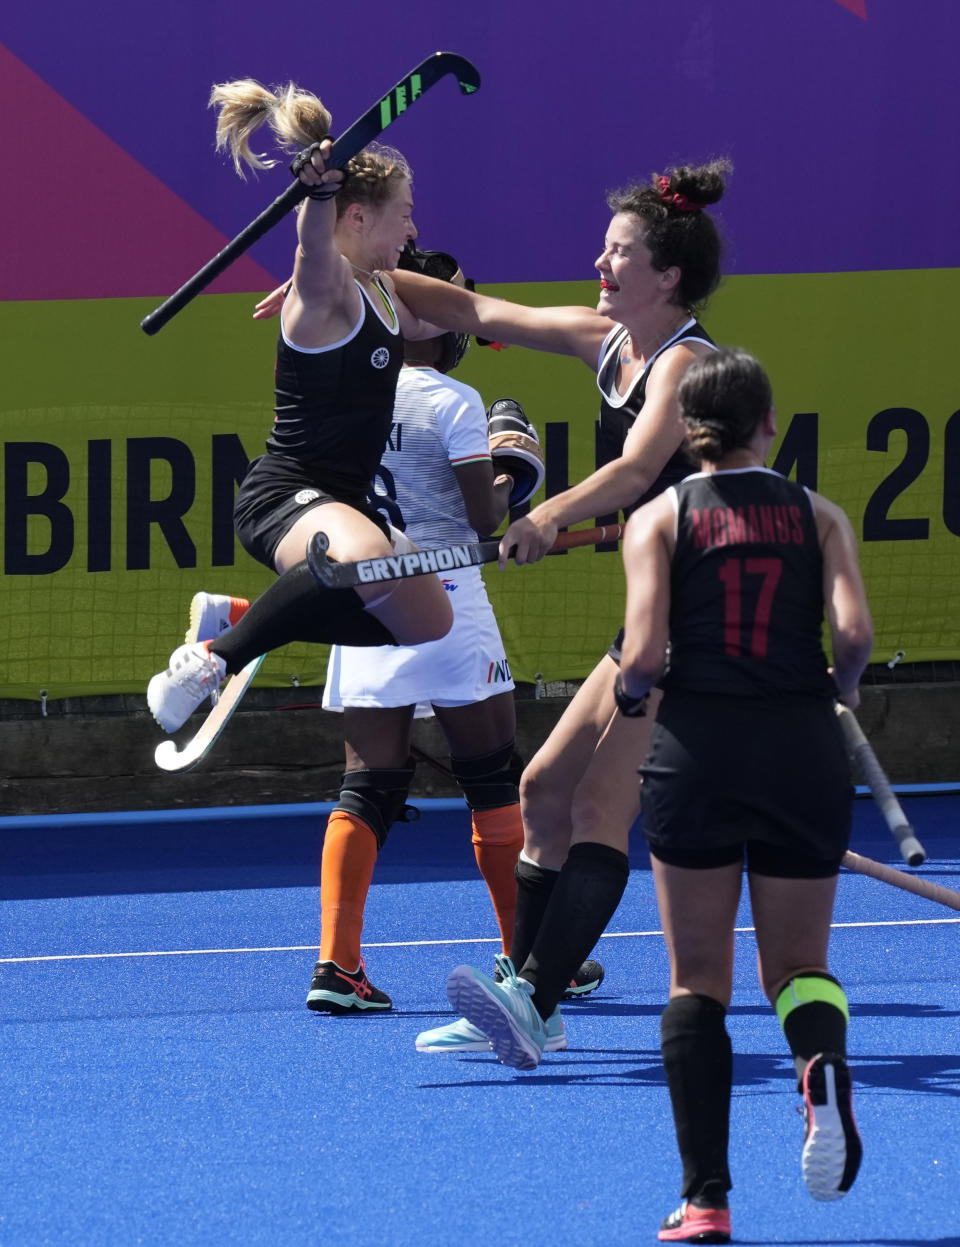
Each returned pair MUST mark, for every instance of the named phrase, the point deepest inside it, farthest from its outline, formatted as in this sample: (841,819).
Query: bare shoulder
(676,359)
(832,520)
(648,523)
(669,368)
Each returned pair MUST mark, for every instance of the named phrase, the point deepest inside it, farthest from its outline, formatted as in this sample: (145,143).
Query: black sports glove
(515,448)
(313,192)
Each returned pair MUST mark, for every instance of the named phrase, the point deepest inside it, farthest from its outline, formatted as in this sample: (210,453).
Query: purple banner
(836,114)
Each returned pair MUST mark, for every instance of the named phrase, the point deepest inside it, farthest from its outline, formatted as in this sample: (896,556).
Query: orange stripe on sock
(349,855)
(497,841)
(238,608)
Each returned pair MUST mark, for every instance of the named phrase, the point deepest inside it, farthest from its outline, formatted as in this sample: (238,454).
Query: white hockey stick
(169,758)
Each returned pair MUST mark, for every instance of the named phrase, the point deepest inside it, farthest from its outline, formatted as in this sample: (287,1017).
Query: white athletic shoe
(463,1036)
(193,675)
(832,1150)
(213,613)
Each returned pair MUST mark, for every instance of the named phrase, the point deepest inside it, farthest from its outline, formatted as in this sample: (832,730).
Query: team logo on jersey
(380,357)
(304,496)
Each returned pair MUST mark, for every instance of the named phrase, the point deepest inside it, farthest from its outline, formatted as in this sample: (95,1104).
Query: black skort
(274,494)
(728,777)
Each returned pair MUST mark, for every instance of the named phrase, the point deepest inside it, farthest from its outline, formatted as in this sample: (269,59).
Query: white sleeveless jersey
(438,424)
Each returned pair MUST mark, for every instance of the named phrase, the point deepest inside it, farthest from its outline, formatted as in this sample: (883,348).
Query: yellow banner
(122,453)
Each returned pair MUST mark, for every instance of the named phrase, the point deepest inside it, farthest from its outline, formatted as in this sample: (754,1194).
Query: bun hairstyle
(723,397)
(677,230)
(297,119)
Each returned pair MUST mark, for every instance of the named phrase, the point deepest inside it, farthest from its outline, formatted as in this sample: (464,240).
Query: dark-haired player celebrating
(736,566)
(659,264)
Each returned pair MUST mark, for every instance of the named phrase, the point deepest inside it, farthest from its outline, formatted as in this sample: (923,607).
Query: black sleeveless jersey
(619,411)
(335,404)
(746,606)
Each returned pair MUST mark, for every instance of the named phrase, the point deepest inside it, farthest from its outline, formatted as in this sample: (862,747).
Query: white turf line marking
(303,948)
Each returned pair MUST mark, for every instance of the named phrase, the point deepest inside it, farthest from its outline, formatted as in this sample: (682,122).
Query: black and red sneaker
(831,1147)
(689,1224)
(335,990)
(586,980)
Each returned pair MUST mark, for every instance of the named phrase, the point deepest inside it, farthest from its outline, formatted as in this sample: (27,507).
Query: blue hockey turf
(163,1082)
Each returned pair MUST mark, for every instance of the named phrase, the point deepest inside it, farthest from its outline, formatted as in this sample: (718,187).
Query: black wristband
(630,707)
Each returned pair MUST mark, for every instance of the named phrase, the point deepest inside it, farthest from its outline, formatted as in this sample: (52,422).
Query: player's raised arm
(577,331)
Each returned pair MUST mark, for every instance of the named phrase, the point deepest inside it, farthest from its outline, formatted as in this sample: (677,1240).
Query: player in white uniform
(438,484)
(438,436)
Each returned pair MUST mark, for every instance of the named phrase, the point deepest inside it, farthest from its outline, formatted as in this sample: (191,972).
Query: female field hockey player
(735,566)
(339,353)
(659,264)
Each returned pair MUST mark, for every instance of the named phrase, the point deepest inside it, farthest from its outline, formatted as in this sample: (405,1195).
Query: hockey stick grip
(912,851)
(586,537)
(900,879)
(333,575)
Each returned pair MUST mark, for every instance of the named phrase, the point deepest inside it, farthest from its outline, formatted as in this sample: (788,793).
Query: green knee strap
(807,989)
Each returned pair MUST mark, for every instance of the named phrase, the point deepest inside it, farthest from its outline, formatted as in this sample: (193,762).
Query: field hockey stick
(169,758)
(425,562)
(900,879)
(363,131)
(860,749)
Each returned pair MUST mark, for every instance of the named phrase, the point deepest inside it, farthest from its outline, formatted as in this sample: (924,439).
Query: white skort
(467,665)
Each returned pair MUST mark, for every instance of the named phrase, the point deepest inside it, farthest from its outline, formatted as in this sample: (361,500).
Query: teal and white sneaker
(586,980)
(463,1036)
(504,1012)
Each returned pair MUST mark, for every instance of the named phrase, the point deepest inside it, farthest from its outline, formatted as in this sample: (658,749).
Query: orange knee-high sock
(346,868)
(497,841)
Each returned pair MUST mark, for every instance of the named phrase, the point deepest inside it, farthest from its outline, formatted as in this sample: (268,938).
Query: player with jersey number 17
(736,567)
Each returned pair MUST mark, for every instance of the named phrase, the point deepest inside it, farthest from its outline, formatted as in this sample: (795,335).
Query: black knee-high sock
(296,608)
(816,1021)
(534,888)
(585,897)
(698,1063)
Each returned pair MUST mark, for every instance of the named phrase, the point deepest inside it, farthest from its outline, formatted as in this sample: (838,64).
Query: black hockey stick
(363,131)
(424,562)
(860,749)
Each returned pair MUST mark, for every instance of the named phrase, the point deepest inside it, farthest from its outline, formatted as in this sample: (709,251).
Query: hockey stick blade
(426,562)
(363,131)
(169,758)
(860,749)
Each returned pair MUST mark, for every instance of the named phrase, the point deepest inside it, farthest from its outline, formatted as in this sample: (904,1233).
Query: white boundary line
(302,948)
